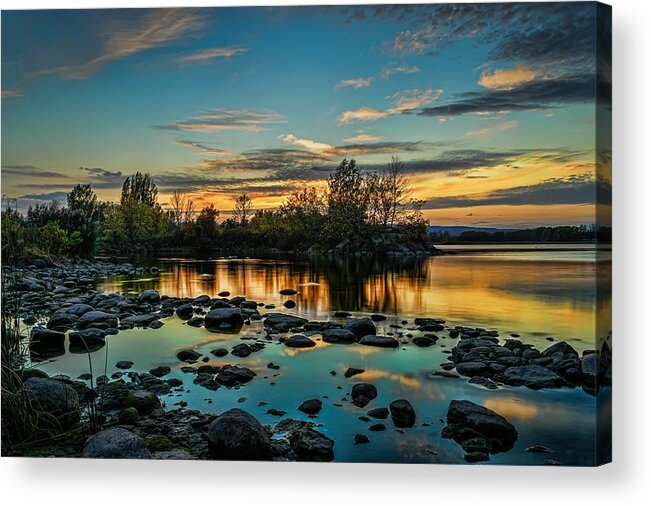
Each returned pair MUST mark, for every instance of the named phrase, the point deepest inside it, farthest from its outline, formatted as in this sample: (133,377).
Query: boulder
(362,327)
(363,393)
(188,355)
(97,318)
(402,413)
(311,406)
(87,337)
(232,375)
(237,435)
(282,322)
(590,370)
(195,321)
(78,309)
(352,371)
(288,291)
(225,319)
(141,320)
(381,413)
(115,443)
(160,371)
(379,341)
(62,321)
(185,311)
(41,337)
(55,398)
(124,364)
(310,445)
(150,297)
(338,336)
(299,341)
(531,376)
(560,347)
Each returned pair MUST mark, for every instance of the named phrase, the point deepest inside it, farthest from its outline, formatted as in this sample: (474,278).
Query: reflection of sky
(494,131)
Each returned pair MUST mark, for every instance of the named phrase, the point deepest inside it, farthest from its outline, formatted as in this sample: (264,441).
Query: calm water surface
(537,294)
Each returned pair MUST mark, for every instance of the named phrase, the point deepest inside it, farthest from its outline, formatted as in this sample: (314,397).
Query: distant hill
(457,231)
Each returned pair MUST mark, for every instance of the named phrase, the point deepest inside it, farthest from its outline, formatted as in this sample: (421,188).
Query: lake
(538,293)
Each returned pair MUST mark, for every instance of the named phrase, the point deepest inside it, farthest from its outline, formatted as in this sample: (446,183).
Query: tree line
(566,233)
(354,209)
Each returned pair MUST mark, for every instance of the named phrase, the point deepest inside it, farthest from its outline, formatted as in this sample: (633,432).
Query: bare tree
(396,187)
(243,209)
(182,209)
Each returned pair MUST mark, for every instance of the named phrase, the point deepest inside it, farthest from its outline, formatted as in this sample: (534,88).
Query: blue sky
(492,108)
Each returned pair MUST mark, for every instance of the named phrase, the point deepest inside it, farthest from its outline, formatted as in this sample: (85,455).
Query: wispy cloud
(157,28)
(363,137)
(208,55)
(244,120)
(400,69)
(30,171)
(506,79)
(202,148)
(11,92)
(360,82)
(485,132)
(405,101)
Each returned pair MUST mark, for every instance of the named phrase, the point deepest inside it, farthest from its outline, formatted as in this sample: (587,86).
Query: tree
(243,209)
(205,229)
(140,188)
(82,198)
(347,202)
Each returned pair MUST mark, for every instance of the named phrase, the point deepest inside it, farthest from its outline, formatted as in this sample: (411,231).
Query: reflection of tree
(371,284)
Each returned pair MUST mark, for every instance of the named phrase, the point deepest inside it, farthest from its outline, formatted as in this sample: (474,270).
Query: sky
(500,112)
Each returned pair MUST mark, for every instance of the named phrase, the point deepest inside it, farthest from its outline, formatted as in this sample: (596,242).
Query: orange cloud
(506,79)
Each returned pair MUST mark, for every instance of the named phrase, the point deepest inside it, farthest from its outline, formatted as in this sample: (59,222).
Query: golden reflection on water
(547,298)
(370,375)
(511,407)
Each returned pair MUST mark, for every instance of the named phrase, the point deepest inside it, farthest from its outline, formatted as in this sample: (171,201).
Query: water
(536,294)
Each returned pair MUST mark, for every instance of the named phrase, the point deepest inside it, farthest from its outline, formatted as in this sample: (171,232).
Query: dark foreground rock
(237,435)
(478,430)
(309,445)
(224,319)
(56,401)
(363,393)
(402,413)
(115,443)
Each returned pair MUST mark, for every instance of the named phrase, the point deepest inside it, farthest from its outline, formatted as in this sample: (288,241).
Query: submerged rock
(338,336)
(311,406)
(362,327)
(363,393)
(188,355)
(299,341)
(402,413)
(379,341)
(309,445)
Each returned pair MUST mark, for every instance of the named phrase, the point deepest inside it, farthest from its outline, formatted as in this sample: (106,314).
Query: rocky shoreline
(59,301)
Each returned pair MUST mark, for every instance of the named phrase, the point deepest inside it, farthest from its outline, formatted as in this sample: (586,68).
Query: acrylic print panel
(350,234)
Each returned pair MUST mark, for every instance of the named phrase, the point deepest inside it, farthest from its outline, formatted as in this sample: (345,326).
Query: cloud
(11,92)
(30,171)
(500,127)
(405,101)
(360,148)
(126,37)
(533,95)
(310,145)
(355,83)
(388,72)
(208,55)
(579,189)
(244,120)
(45,197)
(202,148)
(363,137)
(506,79)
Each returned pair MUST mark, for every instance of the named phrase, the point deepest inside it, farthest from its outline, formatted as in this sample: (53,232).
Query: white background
(625,482)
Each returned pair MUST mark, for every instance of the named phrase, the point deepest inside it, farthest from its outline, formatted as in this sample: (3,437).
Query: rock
(141,320)
(276,412)
(485,382)
(87,337)
(379,341)
(472,368)
(202,300)
(352,371)
(311,406)
(220,304)
(195,321)
(149,297)
(282,322)
(402,413)
(185,311)
(361,439)
(124,364)
(378,317)
(128,416)
(560,347)
(43,338)
(288,291)
(310,445)
(115,443)
(590,370)
(378,427)
(532,376)
(39,263)
(219,352)
(62,321)
(237,435)
(362,327)
(475,457)
(423,341)
(224,293)
(188,355)
(232,375)
(229,320)
(538,449)
(299,341)
(338,336)
(97,318)
(242,350)
(468,420)
(289,304)
(381,413)
(78,309)
(160,371)
(56,398)
(363,393)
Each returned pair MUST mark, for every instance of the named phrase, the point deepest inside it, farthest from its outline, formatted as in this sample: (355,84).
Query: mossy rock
(117,395)
(129,416)
(158,444)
